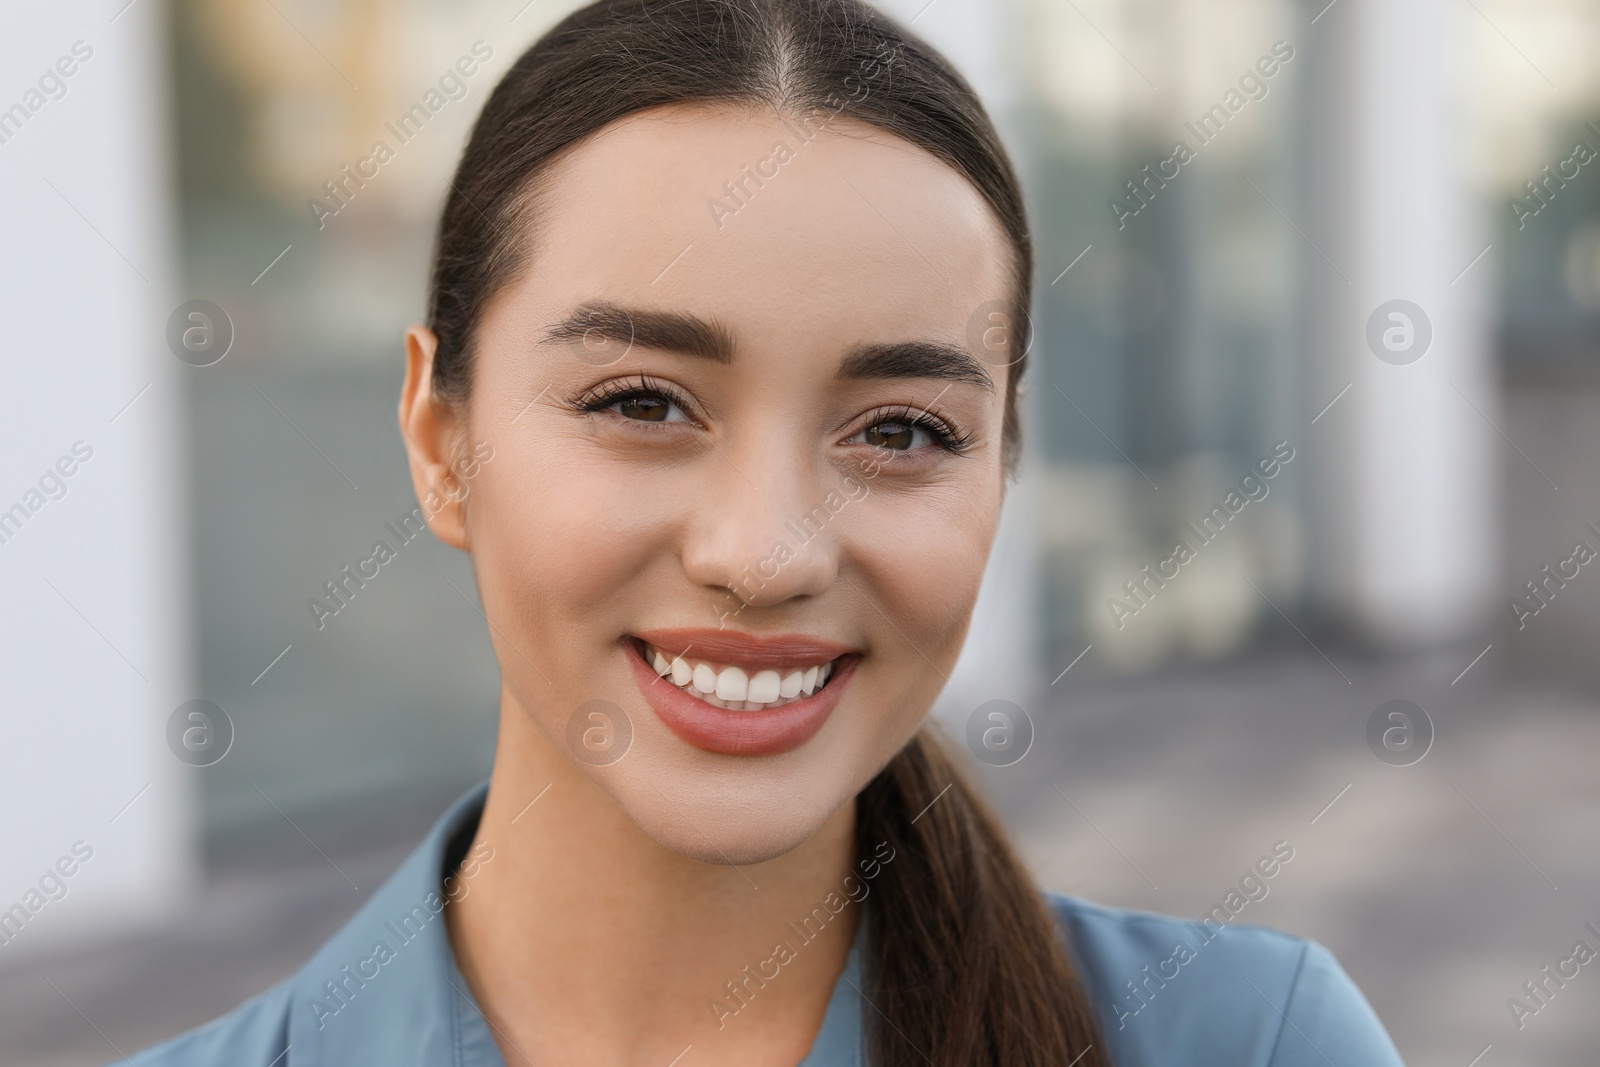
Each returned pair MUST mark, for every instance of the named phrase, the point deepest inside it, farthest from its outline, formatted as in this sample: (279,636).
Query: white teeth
(733,684)
(736,688)
(764,687)
(705,679)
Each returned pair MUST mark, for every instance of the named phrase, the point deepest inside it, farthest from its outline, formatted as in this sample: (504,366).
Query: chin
(733,810)
(739,819)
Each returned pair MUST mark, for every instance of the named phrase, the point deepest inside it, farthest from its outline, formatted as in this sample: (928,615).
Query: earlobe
(430,430)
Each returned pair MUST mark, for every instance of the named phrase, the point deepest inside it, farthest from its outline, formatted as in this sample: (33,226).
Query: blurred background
(1363,235)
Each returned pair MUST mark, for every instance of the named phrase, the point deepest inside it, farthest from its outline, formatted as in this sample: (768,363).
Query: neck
(584,940)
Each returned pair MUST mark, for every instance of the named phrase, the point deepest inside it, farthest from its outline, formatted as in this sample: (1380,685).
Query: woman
(717,392)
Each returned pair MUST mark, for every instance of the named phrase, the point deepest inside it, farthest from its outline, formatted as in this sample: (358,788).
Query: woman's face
(743,434)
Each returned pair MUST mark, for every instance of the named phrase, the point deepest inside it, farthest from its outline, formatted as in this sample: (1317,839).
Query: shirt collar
(386,988)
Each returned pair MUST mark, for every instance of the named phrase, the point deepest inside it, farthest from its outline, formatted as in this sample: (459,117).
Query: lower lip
(739,733)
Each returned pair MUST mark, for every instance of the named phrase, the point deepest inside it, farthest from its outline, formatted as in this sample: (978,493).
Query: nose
(766,530)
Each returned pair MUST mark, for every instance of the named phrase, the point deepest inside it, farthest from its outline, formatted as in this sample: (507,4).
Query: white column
(94,630)
(1403,524)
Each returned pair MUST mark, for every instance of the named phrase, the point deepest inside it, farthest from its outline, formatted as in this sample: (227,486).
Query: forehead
(834,235)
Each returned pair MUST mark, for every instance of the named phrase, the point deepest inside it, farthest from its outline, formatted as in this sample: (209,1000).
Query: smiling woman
(666,403)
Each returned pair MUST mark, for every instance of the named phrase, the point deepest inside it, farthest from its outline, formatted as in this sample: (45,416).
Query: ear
(432,431)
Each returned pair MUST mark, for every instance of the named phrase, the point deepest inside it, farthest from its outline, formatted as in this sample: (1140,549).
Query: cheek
(560,546)
(923,561)
(917,565)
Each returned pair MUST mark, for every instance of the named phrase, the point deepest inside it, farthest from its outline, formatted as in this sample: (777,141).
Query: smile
(740,694)
(739,688)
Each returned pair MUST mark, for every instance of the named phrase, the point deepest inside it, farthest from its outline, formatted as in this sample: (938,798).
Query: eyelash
(607,394)
(617,390)
(944,434)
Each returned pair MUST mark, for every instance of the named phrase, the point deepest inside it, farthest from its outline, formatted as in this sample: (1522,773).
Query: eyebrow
(690,335)
(915,359)
(667,331)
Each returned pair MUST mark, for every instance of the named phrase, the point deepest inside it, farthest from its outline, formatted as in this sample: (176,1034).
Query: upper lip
(734,647)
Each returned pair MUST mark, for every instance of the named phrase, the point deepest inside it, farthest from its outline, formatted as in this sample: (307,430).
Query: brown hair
(616,57)
(966,965)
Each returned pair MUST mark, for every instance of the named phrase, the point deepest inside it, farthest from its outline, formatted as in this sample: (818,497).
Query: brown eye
(644,408)
(910,431)
(897,436)
(638,401)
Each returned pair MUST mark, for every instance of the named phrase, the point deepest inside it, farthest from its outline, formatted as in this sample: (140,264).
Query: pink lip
(732,648)
(738,733)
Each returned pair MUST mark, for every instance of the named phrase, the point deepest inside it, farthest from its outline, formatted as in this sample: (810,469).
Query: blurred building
(1226,197)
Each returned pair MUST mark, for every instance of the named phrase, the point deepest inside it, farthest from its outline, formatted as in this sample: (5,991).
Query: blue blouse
(385,990)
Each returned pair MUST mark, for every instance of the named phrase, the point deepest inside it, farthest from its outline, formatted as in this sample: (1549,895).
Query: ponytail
(966,966)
